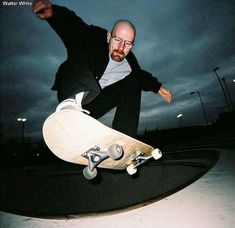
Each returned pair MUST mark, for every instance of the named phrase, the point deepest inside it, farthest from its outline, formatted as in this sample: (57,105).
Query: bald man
(101,71)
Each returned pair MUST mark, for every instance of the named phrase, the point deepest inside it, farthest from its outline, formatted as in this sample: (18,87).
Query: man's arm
(71,28)
(148,81)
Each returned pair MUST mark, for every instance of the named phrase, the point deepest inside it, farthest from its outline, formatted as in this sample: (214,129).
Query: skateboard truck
(95,156)
(140,159)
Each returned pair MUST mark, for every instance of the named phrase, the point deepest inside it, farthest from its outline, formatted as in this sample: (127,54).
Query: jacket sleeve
(148,82)
(68,26)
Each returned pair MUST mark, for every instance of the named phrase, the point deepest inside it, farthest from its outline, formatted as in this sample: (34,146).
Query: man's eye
(118,39)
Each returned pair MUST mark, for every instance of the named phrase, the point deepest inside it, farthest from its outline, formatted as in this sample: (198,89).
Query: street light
(180,118)
(215,69)
(22,121)
(203,109)
(228,92)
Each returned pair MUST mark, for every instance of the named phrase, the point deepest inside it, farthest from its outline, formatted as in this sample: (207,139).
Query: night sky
(178,41)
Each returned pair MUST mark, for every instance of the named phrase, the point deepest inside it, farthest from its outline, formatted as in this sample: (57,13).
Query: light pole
(180,118)
(203,109)
(228,92)
(22,121)
(215,69)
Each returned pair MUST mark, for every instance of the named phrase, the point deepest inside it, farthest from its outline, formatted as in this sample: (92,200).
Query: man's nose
(122,45)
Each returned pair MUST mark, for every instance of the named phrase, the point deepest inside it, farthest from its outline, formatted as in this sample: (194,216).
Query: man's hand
(42,8)
(165,94)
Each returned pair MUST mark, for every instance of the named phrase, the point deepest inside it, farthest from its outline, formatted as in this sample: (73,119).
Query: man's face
(120,41)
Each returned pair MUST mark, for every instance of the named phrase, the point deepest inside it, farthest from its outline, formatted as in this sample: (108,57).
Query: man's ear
(108,37)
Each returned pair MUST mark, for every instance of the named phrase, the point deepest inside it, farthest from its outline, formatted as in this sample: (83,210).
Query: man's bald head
(124,23)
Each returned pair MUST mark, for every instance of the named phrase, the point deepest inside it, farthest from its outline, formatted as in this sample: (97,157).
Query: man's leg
(75,84)
(126,96)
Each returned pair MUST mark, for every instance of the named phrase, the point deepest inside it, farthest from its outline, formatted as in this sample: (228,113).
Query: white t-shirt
(115,71)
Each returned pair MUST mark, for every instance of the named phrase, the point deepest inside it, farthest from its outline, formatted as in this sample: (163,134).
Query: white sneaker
(70,104)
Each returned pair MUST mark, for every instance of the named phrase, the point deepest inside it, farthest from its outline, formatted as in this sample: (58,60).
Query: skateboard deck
(69,134)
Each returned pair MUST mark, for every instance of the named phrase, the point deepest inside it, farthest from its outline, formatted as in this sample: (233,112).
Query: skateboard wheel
(115,151)
(156,154)
(131,169)
(88,174)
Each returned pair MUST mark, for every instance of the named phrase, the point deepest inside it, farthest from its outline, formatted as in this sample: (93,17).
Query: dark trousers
(125,95)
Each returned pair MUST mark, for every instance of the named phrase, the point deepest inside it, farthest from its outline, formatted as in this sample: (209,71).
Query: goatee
(117,55)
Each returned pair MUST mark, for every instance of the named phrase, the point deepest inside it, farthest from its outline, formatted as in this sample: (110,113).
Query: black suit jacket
(87,57)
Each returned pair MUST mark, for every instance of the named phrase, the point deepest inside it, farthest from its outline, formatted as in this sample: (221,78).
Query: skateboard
(78,138)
